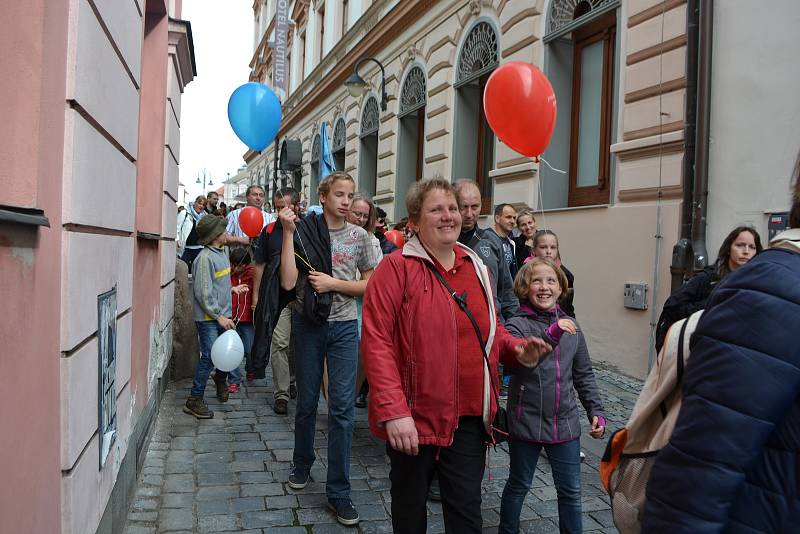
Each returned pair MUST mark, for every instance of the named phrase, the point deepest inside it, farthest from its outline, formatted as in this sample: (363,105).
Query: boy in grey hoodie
(212,309)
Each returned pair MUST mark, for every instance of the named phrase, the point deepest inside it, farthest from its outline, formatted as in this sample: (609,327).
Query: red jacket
(409,346)
(241,303)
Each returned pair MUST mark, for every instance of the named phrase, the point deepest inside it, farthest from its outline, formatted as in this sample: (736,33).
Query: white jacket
(184,227)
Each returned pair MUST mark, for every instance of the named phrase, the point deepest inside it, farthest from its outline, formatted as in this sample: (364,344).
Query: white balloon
(227,351)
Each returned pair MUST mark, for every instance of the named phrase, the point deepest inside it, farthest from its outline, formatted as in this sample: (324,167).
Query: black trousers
(460,469)
(189,254)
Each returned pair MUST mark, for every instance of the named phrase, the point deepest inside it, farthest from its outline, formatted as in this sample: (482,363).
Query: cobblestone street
(228,474)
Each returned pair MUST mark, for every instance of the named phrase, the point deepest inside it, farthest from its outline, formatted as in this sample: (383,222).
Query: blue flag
(326,165)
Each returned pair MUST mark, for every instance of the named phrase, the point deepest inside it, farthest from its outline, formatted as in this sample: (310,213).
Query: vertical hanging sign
(279,66)
(107,355)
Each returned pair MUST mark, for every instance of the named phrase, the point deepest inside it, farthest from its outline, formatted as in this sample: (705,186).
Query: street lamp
(356,85)
(203,182)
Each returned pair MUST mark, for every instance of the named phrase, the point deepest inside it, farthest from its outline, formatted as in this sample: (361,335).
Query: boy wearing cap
(212,309)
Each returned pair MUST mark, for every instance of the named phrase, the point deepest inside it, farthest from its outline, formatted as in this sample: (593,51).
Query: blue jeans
(246,332)
(565,461)
(338,342)
(207,332)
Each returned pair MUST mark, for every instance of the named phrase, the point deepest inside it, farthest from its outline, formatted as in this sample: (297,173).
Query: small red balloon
(251,221)
(396,237)
(520,106)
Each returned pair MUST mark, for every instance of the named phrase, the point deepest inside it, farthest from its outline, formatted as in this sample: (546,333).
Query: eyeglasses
(360,216)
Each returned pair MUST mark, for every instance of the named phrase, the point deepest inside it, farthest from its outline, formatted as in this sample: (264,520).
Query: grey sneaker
(346,513)
(298,479)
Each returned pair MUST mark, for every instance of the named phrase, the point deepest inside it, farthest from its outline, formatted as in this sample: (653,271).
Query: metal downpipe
(682,250)
(700,192)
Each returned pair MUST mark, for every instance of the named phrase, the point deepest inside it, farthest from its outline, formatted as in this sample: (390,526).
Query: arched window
(473,150)
(339,142)
(315,170)
(368,155)
(411,136)
(580,62)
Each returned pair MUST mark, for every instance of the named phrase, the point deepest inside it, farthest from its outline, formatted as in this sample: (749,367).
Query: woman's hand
(567,326)
(240,289)
(597,431)
(403,435)
(321,282)
(531,350)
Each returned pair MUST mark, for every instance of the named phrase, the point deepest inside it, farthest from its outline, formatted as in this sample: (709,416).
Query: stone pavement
(228,474)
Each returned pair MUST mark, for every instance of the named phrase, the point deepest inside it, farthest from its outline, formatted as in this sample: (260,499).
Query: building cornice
(263,43)
(300,11)
(182,45)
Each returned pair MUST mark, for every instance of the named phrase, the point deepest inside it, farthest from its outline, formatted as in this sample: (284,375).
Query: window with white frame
(345,16)
(581,63)
(411,135)
(368,150)
(473,148)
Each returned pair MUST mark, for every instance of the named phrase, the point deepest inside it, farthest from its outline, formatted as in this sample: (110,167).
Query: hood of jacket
(788,240)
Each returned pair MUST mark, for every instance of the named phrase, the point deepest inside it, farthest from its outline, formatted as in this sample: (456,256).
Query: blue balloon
(254,112)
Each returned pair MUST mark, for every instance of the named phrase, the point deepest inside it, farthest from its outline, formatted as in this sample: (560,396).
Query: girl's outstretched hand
(567,326)
(531,350)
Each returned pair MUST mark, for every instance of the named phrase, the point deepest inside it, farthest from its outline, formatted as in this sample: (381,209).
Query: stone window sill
(26,216)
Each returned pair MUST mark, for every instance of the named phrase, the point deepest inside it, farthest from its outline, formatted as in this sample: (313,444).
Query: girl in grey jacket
(542,411)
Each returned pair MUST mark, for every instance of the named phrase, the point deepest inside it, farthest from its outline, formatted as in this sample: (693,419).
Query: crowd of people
(433,337)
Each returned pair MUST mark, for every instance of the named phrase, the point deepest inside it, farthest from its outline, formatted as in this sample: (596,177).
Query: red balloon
(520,106)
(251,221)
(396,237)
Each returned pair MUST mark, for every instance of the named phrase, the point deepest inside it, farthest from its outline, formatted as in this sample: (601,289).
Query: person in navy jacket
(733,461)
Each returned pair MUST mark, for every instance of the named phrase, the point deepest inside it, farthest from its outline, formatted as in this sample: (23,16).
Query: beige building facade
(613,185)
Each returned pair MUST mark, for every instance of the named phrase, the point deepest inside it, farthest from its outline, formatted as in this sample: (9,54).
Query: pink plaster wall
(152,124)
(33,36)
(149,193)
(19,101)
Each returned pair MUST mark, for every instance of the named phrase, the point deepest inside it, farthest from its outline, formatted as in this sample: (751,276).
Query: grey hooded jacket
(490,249)
(541,402)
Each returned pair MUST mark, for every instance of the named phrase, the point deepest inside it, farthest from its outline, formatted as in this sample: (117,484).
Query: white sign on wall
(279,66)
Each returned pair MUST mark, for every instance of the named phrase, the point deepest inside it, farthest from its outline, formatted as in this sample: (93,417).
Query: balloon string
(539,185)
(551,167)
(541,200)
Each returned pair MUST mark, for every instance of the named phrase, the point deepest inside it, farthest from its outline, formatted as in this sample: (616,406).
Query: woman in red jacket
(430,393)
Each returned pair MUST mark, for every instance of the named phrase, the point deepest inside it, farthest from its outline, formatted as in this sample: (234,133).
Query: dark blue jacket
(733,461)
